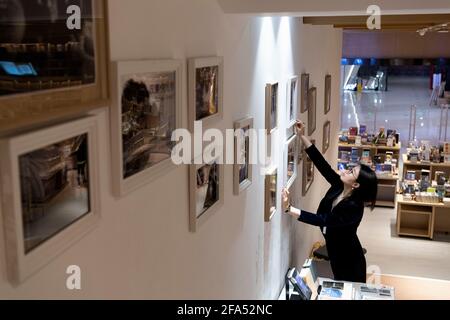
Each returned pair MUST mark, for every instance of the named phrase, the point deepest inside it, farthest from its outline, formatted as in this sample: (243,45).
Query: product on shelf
(353,131)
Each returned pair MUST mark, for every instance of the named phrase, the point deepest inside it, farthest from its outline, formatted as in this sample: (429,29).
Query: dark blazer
(339,225)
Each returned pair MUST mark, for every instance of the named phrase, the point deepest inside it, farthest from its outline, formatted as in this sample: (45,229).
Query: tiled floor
(391,109)
(403,255)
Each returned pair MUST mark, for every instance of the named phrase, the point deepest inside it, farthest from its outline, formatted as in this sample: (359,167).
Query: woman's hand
(300,127)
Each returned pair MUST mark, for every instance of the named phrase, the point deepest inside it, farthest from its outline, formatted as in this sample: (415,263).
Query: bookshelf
(387,183)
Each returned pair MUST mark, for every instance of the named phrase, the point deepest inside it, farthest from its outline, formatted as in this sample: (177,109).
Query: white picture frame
(141,71)
(21,265)
(198,196)
(216,66)
(291,151)
(270,194)
(293,99)
(272,102)
(240,184)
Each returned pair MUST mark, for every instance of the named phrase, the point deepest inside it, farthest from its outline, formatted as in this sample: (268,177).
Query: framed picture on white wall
(205,87)
(146,111)
(326,136)
(206,191)
(50,193)
(312,103)
(327,93)
(292,101)
(243,170)
(308,172)
(271,107)
(304,92)
(290,161)
(270,194)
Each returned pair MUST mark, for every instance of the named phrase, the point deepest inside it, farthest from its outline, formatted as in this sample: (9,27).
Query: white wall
(142,247)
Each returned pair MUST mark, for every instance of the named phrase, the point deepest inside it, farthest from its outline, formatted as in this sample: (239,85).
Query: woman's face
(349,177)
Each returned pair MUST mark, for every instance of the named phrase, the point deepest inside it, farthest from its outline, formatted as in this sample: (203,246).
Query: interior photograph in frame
(312,103)
(308,172)
(50,197)
(271,107)
(206,192)
(242,167)
(146,110)
(290,161)
(292,101)
(327,93)
(304,83)
(205,89)
(62,71)
(270,194)
(326,136)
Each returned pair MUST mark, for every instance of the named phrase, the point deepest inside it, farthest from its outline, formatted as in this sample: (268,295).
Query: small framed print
(304,92)
(49,192)
(292,101)
(327,94)
(271,107)
(146,111)
(205,90)
(206,192)
(270,194)
(312,99)
(326,136)
(290,160)
(308,172)
(242,167)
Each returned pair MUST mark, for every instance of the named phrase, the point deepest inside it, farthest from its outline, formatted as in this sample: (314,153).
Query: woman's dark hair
(368,186)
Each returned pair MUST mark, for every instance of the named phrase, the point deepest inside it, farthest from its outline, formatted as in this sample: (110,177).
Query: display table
(418,165)
(421,219)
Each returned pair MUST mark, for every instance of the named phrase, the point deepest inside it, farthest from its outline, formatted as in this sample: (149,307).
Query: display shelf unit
(419,165)
(421,219)
(387,183)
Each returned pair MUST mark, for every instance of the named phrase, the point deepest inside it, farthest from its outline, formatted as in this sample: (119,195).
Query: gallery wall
(142,247)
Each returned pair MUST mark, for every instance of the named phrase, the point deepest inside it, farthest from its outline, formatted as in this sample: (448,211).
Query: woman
(340,213)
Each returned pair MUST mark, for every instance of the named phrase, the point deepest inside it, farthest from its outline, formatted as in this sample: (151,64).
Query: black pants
(352,269)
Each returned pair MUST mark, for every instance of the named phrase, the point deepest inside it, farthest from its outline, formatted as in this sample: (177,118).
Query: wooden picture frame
(327,94)
(304,92)
(160,84)
(308,172)
(312,115)
(204,198)
(242,169)
(270,194)
(290,161)
(205,74)
(292,98)
(326,136)
(56,100)
(27,249)
(272,101)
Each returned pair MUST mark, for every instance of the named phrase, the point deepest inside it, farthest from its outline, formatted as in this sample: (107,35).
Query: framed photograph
(304,92)
(312,99)
(205,89)
(300,148)
(327,93)
(242,167)
(206,192)
(290,161)
(308,172)
(49,193)
(271,107)
(146,110)
(52,67)
(326,136)
(292,101)
(270,194)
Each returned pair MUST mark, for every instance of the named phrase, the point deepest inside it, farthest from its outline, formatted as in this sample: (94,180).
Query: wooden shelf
(413,232)
(423,204)
(370,146)
(423,164)
(417,212)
